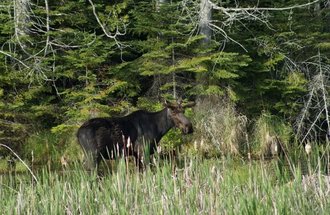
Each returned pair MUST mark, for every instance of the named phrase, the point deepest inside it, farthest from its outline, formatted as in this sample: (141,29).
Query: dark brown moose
(108,138)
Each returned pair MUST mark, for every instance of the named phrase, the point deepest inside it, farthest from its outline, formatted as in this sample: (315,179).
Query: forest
(258,71)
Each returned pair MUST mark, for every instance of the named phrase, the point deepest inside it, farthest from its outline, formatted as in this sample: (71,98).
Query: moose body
(109,138)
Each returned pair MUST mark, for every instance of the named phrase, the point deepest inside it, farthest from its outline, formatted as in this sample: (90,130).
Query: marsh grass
(220,129)
(271,135)
(198,186)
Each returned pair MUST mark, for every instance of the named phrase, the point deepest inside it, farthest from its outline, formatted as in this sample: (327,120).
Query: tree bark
(327,18)
(204,19)
(21,17)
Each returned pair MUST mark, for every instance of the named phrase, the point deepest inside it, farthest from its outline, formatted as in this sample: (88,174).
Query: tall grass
(198,187)
(270,136)
(220,129)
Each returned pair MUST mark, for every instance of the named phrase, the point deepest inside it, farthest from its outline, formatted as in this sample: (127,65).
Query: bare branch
(18,60)
(105,31)
(316,106)
(33,54)
(238,14)
(325,96)
(16,155)
(227,10)
(224,34)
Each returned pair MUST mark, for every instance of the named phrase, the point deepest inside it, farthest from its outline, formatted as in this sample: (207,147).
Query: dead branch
(26,22)
(14,58)
(238,14)
(105,31)
(256,8)
(16,155)
(316,106)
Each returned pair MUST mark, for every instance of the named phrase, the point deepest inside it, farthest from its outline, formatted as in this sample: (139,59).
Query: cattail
(274,148)
(202,142)
(64,161)
(308,148)
(128,142)
(159,149)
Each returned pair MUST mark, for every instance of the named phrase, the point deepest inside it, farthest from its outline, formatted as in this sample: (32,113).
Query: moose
(131,135)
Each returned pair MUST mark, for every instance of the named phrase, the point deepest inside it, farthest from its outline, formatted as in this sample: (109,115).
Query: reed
(198,186)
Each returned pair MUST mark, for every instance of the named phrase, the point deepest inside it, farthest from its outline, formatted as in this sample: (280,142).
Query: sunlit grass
(214,186)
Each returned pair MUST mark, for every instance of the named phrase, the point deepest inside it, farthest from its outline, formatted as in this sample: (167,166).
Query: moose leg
(139,161)
(92,160)
(142,151)
(174,159)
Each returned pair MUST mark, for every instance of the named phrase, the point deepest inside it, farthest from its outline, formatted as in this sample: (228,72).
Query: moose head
(176,114)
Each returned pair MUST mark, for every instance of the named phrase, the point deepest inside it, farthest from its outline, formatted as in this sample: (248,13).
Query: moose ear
(189,104)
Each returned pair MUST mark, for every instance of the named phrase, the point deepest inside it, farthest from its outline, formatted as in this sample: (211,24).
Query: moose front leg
(142,154)
(139,161)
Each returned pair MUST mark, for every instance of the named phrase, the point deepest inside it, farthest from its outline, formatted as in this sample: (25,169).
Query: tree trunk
(327,19)
(159,4)
(204,19)
(173,74)
(21,17)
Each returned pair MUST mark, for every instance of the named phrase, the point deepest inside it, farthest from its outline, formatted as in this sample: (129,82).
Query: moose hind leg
(92,160)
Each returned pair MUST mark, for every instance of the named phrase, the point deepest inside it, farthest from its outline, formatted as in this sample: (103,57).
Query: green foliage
(149,105)
(53,79)
(292,88)
(323,46)
(91,101)
(44,148)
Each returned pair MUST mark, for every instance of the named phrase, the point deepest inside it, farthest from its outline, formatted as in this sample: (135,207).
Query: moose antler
(178,103)
(170,104)
(189,104)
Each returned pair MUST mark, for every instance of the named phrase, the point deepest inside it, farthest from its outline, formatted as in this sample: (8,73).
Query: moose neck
(163,123)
